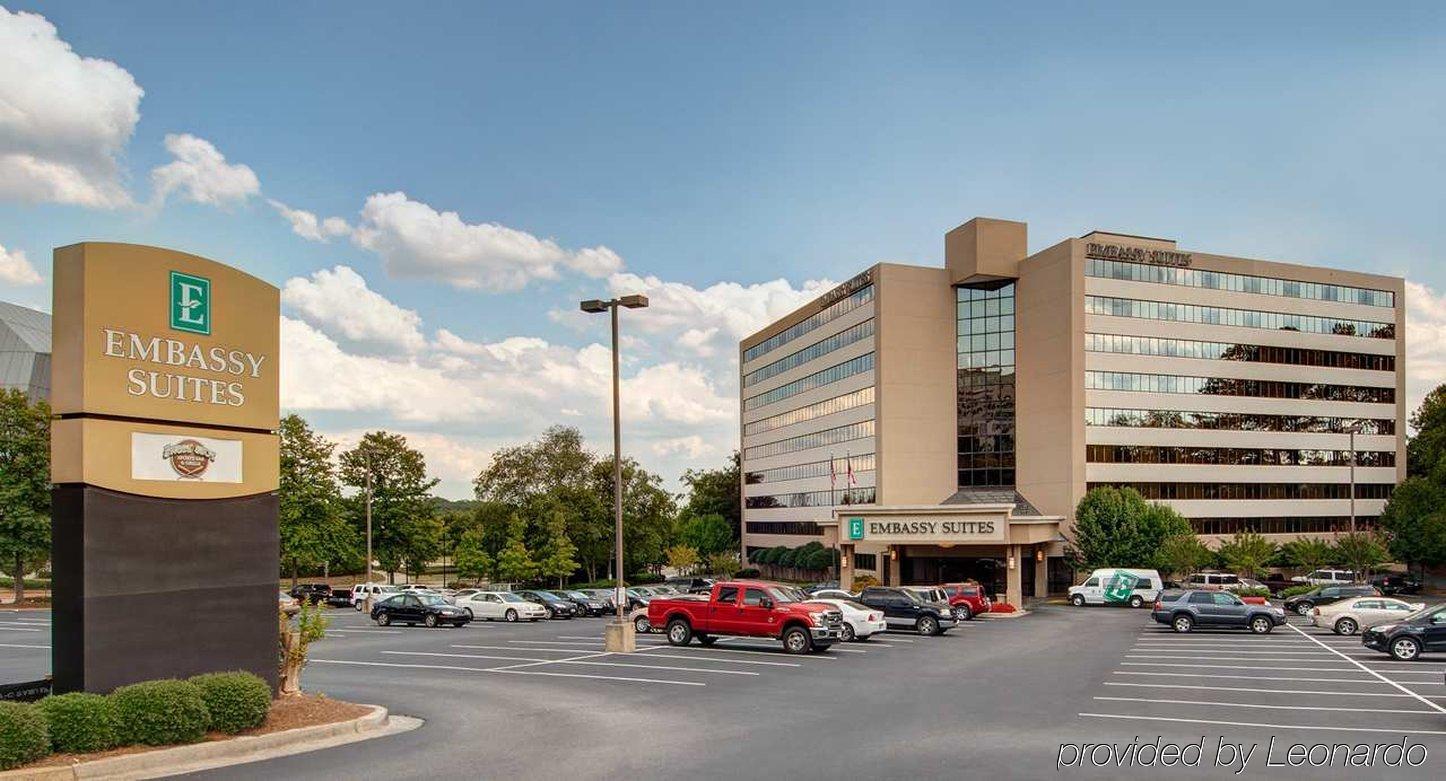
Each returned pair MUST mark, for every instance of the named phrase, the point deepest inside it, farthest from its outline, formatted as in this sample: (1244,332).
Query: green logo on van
(190,303)
(1120,587)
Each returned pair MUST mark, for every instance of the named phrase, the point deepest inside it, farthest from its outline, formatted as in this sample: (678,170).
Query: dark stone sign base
(148,588)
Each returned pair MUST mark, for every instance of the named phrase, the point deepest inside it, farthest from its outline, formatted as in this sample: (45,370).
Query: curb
(999,616)
(234,751)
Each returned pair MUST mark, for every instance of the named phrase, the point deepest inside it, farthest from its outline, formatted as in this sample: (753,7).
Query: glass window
(727,595)
(1220,280)
(753,597)
(863,363)
(828,314)
(816,350)
(1200,598)
(1192,313)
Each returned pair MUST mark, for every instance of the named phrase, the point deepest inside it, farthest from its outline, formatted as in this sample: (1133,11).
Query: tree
(472,560)
(1308,553)
(401,496)
(1183,553)
(1362,552)
(716,492)
(1247,553)
(421,544)
(313,530)
(648,513)
(1426,451)
(724,564)
(683,559)
(557,559)
(1410,522)
(1117,528)
(24,484)
(514,563)
(707,534)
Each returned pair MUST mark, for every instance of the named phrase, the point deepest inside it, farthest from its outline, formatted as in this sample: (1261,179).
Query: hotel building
(937,424)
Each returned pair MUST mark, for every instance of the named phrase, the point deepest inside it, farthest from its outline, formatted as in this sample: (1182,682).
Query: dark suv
(1392,584)
(1185,610)
(905,609)
(1325,595)
(1406,640)
(310,592)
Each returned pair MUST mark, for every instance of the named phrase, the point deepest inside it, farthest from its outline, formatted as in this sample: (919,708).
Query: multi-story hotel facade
(935,423)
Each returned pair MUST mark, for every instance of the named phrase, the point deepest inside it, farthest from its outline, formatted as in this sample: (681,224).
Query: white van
(1114,586)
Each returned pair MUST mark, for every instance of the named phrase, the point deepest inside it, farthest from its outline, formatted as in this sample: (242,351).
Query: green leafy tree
(422,543)
(1362,552)
(401,497)
(724,564)
(473,561)
(24,484)
(649,512)
(514,563)
(1308,553)
(1426,451)
(1181,554)
(683,558)
(1413,522)
(558,556)
(716,492)
(707,534)
(1116,527)
(314,532)
(1247,553)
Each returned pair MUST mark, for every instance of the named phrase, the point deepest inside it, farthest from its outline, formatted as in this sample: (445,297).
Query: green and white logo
(856,528)
(1120,587)
(190,303)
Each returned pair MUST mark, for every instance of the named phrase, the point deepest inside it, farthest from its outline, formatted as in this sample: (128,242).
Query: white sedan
(504,605)
(1349,616)
(860,621)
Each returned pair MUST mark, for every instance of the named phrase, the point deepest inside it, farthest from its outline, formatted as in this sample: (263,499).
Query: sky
(435,186)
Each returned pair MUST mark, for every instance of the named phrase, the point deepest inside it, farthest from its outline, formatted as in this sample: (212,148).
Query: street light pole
(368,456)
(1353,478)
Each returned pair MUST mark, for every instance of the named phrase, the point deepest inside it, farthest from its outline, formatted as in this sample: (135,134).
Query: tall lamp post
(618,635)
(1352,430)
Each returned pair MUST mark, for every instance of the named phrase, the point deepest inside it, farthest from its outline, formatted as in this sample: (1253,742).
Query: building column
(1041,574)
(892,575)
(1014,577)
(846,567)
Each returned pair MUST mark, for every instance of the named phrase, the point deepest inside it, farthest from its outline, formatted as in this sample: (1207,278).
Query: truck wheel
(706,639)
(927,625)
(1304,608)
(1261,625)
(1077,600)
(679,633)
(796,641)
(963,613)
(1137,601)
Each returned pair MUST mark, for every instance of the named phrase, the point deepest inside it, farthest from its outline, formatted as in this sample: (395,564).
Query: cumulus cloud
(15,268)
(692,447)
(201,174)
(64,119)
(338,301)
(415,240)
(306,224)
(1425,342)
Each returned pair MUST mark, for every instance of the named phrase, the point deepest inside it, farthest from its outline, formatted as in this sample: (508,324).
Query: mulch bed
(29,603)
(306,710)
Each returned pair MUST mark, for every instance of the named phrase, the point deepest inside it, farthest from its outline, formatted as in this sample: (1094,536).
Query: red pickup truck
(748,608)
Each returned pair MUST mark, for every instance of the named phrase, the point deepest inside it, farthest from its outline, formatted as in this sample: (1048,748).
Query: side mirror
(765,603)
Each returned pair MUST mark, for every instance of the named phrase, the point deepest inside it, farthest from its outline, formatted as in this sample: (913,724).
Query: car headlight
(816,618)
(1383,627)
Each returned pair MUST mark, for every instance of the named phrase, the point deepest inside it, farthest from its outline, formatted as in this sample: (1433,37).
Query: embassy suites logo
(1156,257)
(190,303)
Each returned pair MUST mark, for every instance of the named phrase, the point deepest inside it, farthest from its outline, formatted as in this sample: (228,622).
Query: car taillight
(873,616)
(1315,612)
(1156,605)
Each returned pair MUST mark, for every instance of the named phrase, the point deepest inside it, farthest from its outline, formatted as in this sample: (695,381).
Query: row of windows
(1243,318)
(817,409)
(1256,490)
(832,312)
(841,467)
(868,561)
(783,527)
(1157,454)
(831,436)
(985,478)
(1304,524)
(1226,351)
(811,499)
(818,379)
(985,391)
(1237,283)
(1226,386)
(1234,421)
(843,338)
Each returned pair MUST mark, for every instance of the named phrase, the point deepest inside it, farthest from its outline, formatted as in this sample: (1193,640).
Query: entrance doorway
(929,570)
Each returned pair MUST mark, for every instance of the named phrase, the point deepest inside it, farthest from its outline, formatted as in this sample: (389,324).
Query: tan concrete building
(936,424)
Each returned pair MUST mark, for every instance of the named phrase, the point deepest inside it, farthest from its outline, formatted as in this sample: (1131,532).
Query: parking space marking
(1252,677)
(1221,657)
(540,662)
(645,650)
(1429,704)
(748,642)
(19,629)
(1308,727)
(509,671)
(1262,706)
(21,645)
(735,650)
(469,656)
(1255,690)
(1244,667)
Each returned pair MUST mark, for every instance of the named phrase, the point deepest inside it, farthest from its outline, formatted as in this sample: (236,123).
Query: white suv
(1326,577)
(1213,581)
(360,591)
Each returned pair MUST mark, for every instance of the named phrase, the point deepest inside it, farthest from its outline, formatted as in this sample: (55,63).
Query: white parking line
(1223,657)
(19,629)
(1255,677)
(1172,649)
(1428,703)
(1258,690)
(763,645)
(510,671)
(1267,707)
(575,661)
(1308,727)
(1239,667)
(21,645)
(735,650)
(645,650)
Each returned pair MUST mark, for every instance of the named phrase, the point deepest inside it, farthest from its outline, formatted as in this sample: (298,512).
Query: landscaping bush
(862,582)
(235,701)
(747,572)
(1294,590)
(23,737)
(158,713)
(79,722)
(1259,591)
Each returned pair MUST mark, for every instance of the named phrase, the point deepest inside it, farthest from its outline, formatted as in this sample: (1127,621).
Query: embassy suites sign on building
(229,368)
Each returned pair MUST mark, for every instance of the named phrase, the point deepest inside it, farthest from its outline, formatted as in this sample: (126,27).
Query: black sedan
(1422,631)
(411,609)
(1325,595)
(587,605)
(557,607)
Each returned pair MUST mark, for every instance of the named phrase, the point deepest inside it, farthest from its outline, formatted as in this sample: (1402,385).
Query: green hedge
(23,737)
(1259,591)
(79,722)
(1296,590)
(234,701)
(158,713)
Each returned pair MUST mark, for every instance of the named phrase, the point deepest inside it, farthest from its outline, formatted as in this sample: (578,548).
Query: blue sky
(756,145)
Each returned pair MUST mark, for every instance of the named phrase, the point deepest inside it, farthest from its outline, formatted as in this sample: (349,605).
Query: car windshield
(1425,611)
(574,595)
(431,599)
(510,597)
(783,595)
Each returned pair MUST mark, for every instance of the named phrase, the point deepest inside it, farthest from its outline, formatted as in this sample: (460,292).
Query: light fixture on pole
(618,635)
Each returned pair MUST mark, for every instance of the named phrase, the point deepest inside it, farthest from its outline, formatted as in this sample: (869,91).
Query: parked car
(814,588)
(638,598)
(315,593)
(860,622)
(748,608)
(1407,639)
(376,591)
(1326,577)
(586,604)
(929,593)
(833,593)
(414,608)
(289,605)
(967,599)
(1390,583)
(500,606)
(338,598)
(1302,604)
(1348,616)
(557,607)
(607,595)
(1187,609)
(1211,580)
(1133,587)
(641,624)
(905,609)
(690,585)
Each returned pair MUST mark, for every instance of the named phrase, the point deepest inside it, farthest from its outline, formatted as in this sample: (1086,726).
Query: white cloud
(201,174)
(15,268)
(511,347)
(308,226)
(1425,342)
(455,460)
(64,119)
(415,240)
(338,301)
(692,447)
(698,340)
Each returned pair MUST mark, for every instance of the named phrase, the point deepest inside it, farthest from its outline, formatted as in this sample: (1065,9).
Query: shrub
(158,713)
(747,572)
(235,701)
(1295,590)
(23,737)
(79,722)
(862,582)
(1258,591)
